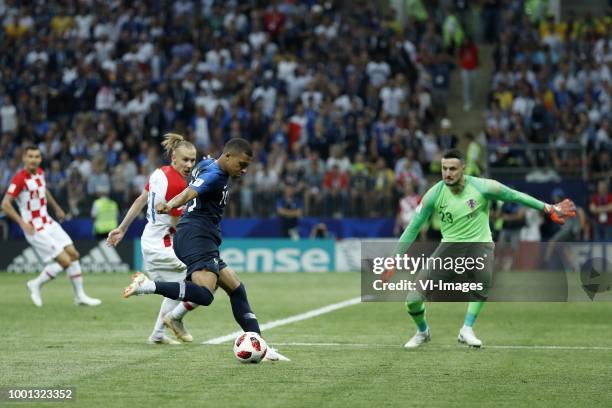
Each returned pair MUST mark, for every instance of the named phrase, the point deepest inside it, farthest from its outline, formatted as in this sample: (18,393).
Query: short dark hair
(29,147)
(238,145)
(452,154)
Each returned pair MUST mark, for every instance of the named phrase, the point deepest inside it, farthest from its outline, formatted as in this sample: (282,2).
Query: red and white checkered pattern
(30,193)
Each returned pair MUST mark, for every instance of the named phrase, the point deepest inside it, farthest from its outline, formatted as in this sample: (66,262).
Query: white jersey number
(193,205)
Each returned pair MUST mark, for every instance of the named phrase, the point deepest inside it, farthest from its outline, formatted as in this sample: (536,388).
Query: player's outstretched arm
(59,213)
(497,191)
(423,212)
(116,235)
(186,195)
(9,210)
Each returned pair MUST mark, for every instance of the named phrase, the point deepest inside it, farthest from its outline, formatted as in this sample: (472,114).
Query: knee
(64,262)
(202,292)
(73,254)
(207,297)
(231,284)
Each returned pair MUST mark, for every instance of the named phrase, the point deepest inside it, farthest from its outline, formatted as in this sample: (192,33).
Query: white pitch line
(545,347)
(519,347)
(340,305)
(292,319)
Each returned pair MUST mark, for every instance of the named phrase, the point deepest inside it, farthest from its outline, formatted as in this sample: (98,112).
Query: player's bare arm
(116,235)
(186,195)
(59,213)
(9,210)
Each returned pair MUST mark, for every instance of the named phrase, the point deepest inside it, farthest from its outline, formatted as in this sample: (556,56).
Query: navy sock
(190,292)
(242,310)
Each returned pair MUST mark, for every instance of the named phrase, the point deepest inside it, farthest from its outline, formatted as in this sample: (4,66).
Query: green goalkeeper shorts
(456,271)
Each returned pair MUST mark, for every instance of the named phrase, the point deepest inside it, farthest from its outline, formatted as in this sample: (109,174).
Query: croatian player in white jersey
(43,233)
(159,261)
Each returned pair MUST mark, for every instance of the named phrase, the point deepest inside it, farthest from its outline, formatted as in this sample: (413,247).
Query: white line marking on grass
(545,347)
(291,319)
(510,347)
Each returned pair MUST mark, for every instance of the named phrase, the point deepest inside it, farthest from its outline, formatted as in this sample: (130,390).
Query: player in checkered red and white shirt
(43,233)
(159,260)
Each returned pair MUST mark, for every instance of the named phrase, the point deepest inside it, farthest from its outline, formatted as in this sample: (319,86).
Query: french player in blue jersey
(198,237)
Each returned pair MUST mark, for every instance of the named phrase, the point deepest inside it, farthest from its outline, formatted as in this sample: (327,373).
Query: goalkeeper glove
(560,211)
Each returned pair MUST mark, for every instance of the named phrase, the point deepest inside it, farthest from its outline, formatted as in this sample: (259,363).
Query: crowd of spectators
(552,91)
(338,99)
(550,108)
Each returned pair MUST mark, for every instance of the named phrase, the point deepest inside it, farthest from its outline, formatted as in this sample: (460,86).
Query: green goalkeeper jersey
(464,216)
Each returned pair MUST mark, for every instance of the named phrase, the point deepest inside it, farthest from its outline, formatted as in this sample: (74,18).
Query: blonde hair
(173,141)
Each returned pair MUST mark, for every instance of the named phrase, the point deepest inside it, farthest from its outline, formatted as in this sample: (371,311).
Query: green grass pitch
(103,354)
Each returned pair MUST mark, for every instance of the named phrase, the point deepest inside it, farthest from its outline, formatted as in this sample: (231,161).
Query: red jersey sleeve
(17,184)
(176,212)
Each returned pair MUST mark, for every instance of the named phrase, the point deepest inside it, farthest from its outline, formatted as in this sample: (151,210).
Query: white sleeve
(158,186)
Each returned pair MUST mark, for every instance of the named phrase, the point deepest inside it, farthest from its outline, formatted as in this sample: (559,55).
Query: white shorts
(161,264)
(50,242)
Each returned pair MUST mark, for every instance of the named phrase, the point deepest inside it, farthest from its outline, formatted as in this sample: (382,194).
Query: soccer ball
(249,347)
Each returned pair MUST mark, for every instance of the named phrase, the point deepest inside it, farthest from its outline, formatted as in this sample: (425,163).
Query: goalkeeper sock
(416,310)
(473,311)
(242,310)
(185,290)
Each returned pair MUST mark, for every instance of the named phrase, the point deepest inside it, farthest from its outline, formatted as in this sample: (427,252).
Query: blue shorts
(198,249)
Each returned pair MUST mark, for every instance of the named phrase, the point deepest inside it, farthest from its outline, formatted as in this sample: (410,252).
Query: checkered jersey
(30,192)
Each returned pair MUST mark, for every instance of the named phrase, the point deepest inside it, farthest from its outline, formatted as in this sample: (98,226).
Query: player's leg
(176,324)
(169,305)
(200,253)
(162,265)
(76,278)
(173,318)
(466,333)
(181,310)
(243,314)
(415,306)
(47,249)
(49,272)
(484,276)
(199,290)
(73,269)
(415,301)
(158,336)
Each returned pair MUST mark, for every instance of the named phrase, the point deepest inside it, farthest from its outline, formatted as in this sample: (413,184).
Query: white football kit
(159,260)
(49,238)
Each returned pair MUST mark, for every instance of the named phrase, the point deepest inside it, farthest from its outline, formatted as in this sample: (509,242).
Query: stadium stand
(337,100)
(96,87)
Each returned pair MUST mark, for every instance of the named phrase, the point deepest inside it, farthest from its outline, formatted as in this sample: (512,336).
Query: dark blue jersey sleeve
(205,182)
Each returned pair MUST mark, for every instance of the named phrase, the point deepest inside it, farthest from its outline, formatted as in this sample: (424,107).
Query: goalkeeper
(462,203)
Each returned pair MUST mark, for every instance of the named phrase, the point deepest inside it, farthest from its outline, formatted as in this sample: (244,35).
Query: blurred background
(348,105)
